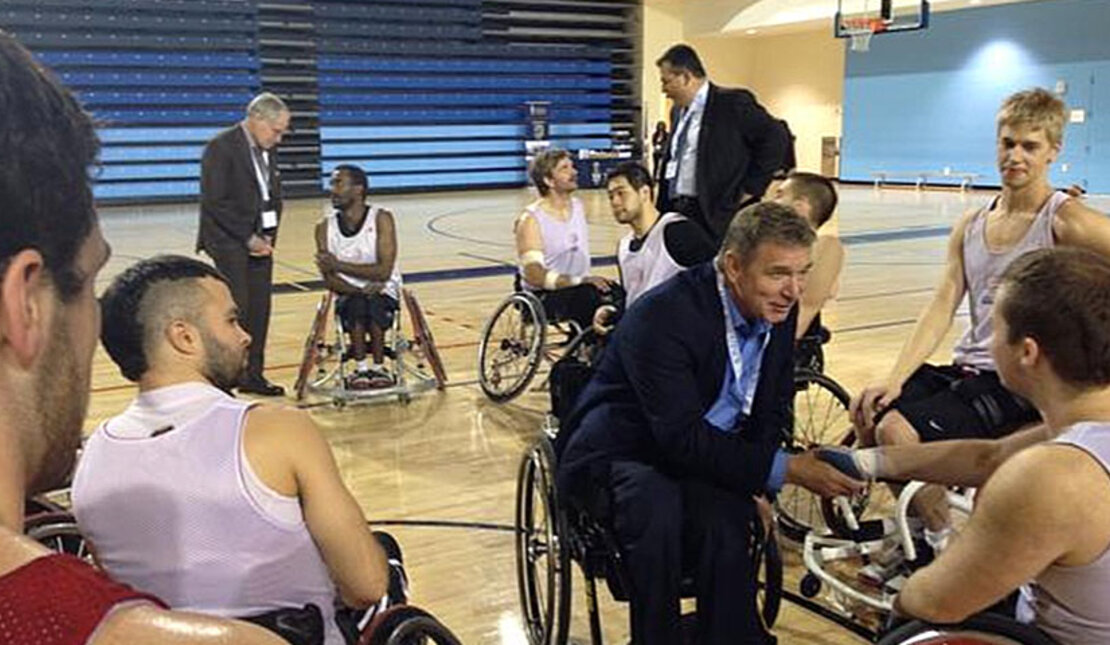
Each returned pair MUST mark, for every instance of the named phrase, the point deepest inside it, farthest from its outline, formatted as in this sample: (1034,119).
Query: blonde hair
(1038,108)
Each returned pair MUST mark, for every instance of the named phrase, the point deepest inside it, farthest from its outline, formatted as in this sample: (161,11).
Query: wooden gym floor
(452,457)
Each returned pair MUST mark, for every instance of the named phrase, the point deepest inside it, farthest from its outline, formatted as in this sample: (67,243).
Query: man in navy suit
(681,425)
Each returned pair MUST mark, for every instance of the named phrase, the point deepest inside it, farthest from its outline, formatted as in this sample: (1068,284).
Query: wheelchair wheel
(984,629)
(542,557)
(819,417)
(407,625)
(422,336)
(312,345)
(768,567)
(58,532)
(511,348)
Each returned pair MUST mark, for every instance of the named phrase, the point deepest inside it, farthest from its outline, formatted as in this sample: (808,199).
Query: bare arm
(381,270)
(828,259)
(289,454)
(1077,224)
(144,623)
(962,462)
(1035,511)
(326,263)
(931,326)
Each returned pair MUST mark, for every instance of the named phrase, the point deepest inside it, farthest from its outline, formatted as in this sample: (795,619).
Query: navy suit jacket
(740,147)
(661,372)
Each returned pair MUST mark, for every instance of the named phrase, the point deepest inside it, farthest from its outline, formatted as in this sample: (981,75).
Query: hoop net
(860,31)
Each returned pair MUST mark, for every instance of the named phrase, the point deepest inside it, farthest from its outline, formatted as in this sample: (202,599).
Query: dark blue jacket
(661,372)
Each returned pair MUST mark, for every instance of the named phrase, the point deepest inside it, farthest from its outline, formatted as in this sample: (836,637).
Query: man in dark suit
(724,147)
(680,427)
(240,209)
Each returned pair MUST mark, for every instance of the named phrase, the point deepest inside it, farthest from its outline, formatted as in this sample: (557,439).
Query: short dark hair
(766,222)
(816,189)
(356,175)
(49,144)
(636,175)
(543,165)
(1059,297)
(682,57)
(125,307)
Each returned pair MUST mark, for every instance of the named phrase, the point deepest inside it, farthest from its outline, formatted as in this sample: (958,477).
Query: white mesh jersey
(651,264)
(361,248)
(171,514)
(566,245)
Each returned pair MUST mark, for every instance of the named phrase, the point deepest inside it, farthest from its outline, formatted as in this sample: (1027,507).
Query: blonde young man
(921,402)
(553,246)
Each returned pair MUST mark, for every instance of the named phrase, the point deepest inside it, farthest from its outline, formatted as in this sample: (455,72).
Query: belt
(680,201)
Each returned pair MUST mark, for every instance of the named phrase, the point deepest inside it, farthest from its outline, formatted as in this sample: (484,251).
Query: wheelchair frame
(526,343)
(566,535)
(331,380)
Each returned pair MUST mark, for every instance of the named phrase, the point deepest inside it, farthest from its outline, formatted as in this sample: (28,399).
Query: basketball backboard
(861,19)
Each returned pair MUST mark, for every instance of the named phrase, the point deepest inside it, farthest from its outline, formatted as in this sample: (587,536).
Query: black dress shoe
(261,386)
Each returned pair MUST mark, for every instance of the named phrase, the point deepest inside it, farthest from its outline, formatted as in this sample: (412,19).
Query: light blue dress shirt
(734,403)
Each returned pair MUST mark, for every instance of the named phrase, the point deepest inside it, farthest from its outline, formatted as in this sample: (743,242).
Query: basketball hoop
(860,31)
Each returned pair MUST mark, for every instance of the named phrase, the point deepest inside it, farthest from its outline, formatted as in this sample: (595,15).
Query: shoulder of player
(278,421)
(17,550)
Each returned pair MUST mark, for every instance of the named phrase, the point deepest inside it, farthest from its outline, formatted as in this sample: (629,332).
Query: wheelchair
(982,629)
(516,340)
(416,363)
(845,558)
(392,622)
(551,534)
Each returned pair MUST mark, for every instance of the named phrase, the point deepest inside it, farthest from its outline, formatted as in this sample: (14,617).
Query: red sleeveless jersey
(58,600)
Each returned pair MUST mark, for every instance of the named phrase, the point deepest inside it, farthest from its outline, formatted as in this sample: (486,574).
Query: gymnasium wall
(927,100)
(425,94)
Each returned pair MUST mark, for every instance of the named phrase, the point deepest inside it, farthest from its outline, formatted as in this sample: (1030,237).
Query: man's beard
(61,390)
(223,366)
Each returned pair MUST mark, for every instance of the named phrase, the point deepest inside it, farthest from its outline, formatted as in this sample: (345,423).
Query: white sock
(363,366)
(378,367)
(938,539)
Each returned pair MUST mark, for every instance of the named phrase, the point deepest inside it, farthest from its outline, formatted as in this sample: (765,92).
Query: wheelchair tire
(57,531)
(312,345)
(407,625)
(422,334)
(768,567)
(511,347)
(542,553)
(819,416)
(983,629)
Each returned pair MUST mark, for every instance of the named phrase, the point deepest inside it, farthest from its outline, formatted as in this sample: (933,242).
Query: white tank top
(651,264)
(361,248)
(1070,603)
(171,515)
(566,245)
(983,269)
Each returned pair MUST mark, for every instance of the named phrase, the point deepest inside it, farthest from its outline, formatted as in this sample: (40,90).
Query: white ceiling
(762,17)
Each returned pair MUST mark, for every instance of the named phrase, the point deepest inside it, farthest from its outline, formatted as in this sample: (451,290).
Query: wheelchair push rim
(542,559)
(511,347)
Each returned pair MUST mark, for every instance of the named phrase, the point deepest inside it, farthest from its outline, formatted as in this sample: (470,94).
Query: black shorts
(370,310)
(957,402)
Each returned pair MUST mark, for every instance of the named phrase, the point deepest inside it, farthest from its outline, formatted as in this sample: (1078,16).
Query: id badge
(269,219)
(671,171)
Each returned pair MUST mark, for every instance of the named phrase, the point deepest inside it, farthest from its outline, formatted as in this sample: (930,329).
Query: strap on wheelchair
(303,626)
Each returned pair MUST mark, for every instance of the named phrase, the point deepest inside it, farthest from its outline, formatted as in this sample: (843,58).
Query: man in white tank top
(1044,514)
(553,246)
(922,402)
(657,246)
(218,505)
(356,252)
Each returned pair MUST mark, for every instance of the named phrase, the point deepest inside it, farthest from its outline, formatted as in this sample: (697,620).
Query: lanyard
(263,184)
(732,341)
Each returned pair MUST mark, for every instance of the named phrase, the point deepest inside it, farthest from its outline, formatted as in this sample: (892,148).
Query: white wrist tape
(531,257)
(549,279)
(575,281)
